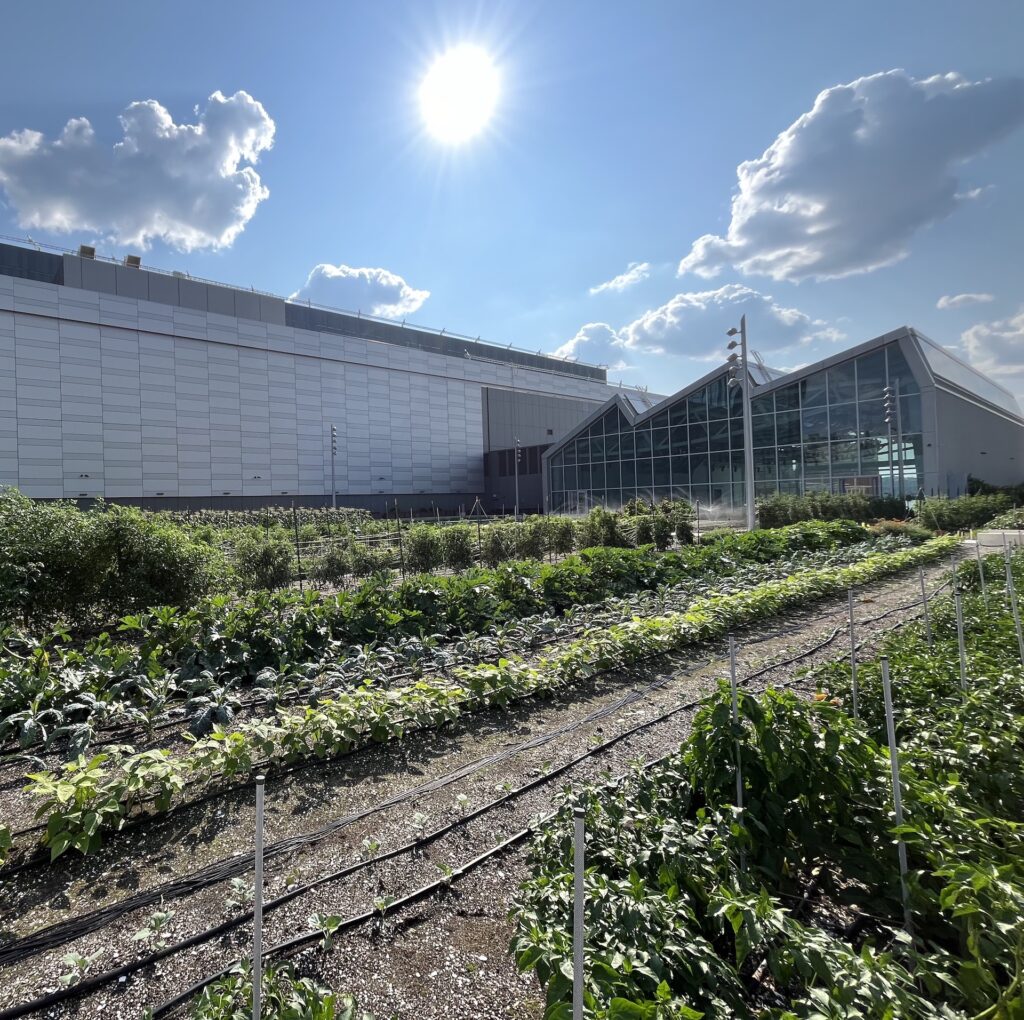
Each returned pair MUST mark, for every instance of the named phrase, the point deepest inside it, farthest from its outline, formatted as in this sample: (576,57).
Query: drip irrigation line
(64,932)
(467,709)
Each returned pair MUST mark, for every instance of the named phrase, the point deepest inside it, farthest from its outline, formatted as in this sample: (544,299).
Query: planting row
(86,798)
(791,907)
(170,654)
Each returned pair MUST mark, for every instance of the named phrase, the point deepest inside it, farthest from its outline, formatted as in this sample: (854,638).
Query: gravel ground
(389,969)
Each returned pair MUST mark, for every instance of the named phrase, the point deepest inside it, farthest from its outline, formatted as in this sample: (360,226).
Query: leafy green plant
(327,925)
(423,548)
(263,563)
(457,546)
(155,929)
(79,966)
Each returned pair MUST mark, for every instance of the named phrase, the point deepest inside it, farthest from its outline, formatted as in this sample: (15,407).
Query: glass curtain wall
(825,431)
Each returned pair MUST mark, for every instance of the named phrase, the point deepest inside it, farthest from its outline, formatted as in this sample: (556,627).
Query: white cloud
(181,183)
(373,291)
(635,272)
(693,325)
(962,300)
(997,349)
(846,186)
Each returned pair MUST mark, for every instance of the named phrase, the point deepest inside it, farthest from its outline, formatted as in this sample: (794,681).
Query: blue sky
(613,149)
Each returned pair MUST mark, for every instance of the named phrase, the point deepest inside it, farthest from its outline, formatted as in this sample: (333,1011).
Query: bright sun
(458,94)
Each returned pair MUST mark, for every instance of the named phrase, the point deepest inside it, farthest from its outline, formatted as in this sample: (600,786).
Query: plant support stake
(897,793)
(924,602)
(257,907)
(981,568)
(958,602)
(736,719)
(579,816)
(853,657)
(1011,587)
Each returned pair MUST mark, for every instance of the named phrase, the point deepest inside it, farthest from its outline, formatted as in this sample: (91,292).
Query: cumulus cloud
(997,349)
(962,300)
(635,272)
(373,291)
(846,186)
(693,325)
(181,183)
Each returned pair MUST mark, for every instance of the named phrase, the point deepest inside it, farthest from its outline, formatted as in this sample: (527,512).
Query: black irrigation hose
(126,969)
(219,790)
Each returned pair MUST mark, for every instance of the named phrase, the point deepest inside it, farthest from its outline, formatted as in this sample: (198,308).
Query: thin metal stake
(1012,588)
(736,719)
(981,568)
(853,657)
(257,907)
(579,816)
(960,637)
(897,792)
(924,602)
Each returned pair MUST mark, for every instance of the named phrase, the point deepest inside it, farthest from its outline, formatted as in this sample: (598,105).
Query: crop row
(791,907)
(86,798)
(170,654)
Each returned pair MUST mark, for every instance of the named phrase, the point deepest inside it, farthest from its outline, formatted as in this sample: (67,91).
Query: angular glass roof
(947,367)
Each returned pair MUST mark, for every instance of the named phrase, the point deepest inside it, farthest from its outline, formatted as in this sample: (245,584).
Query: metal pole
(257,907)
(748,430)
(517,476)
(298,551)
(579,816)
(897,792)
(924,602)
(981,568)
(853,657)
(1012,588)
(960,638)
(899,444)
(334,454)
(697,532)
(736,719)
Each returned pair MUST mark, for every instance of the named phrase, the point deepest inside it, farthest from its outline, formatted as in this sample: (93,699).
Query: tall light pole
(890,405)
(743,380)
(334,455)
(519,454)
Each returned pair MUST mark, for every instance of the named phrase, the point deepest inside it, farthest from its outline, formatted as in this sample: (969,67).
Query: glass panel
(718,406)
(571,477)
(699,470)
(738,466)
(736,433)
(815,424)
(701,494)
(843,421)
(643,445)
(660,420)
(764,430)
(789,463)
(871,375)
(677,413)
(583,477)
(813,390)
(787,427)
(721,469)
(910,414)
(697,406)
(597,428)
(681,492)
(662,475)
(643,426)
(718,434)
(845,458)
(945,366)
(661,444)
(698,438)
(662,492)
(872,455)
(764,404)
(597,448)
(597,476)
(842,383)
(644,473)
(721,495)
(899,370)
(735,401)
(680,471)
(679,441)
(872,418)
(611,447)
(613,475)
(629,474)
(764,489)
(582,450)
(569,453)
(611,421)
(646,494)
(787,398)
(627,446)
(816,461)
(764,464)
(557,478)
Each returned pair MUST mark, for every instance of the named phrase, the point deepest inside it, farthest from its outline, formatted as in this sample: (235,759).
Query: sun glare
(458,94)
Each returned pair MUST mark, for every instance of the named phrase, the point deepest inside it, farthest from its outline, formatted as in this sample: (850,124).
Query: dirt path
(426,783)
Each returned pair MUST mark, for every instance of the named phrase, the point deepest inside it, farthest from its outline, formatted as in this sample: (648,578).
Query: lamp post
(891,405)
(519,455)
(334,455)
(748,426)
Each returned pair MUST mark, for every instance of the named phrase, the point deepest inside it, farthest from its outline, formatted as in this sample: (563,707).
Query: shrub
(498,544)
(561,535)
(531,539)
(661,531)
(332,565)
(599,527)
(367,559)
(423,551)
(963,513)
(643,530)
(263,563)
(457,546)
(915,532)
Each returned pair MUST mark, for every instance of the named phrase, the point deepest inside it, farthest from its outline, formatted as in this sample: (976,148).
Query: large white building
(129,384)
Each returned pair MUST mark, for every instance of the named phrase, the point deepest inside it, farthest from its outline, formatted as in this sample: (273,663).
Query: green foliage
(782,508)
(963,513)
(695,906)
(367,559)
(457,546)
(263,564)
(331,564)
(913,531)
(599,527)
(423,548)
